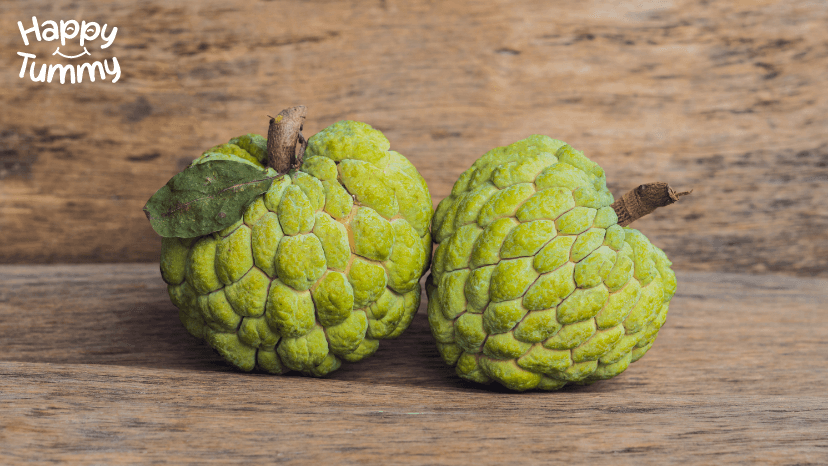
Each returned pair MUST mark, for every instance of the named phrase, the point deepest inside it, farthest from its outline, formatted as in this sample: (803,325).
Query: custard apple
(319,268)
(534,284)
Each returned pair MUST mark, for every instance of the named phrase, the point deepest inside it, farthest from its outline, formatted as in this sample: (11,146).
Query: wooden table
(727,98)
(96,369)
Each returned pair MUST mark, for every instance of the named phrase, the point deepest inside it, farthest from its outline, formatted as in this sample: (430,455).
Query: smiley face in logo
(85,52)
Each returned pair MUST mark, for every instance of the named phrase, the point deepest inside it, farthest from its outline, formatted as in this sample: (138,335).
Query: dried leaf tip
(643,200)
(285,143)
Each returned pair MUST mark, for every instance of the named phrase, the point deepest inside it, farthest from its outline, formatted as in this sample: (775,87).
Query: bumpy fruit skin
(320,268)
(534,285)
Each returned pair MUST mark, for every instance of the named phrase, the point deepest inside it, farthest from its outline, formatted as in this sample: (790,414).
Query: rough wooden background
(724,97)
(96,369)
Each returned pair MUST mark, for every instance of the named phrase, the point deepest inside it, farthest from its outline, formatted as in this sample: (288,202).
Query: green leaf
(206,197)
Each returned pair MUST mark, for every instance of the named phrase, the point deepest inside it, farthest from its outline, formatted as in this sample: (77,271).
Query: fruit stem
(643,200)
(285,143)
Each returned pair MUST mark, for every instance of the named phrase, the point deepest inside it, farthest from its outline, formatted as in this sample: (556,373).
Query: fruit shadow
(136,325)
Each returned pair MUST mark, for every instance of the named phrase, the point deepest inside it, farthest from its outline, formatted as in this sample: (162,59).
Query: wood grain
(95,368)
(724,97)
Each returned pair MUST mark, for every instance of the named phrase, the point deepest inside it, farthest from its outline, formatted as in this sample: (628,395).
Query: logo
(86,33)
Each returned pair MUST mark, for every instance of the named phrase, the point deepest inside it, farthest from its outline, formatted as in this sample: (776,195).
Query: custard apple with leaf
(300,270)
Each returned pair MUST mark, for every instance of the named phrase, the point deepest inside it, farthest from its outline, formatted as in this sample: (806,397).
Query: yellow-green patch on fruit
(527,238)
(321,168)
(550,289)
(365,182)
(451,296)
(571,336)
(338,203)
(365,349)
(346,336)
(504,346)
(487,246)
(385,314)
(268,361)
(468,368)
(174,260)
(346,140)
(575,221)
(562,175)
(288,312)
(234,255)
(545,361)
(407,258)
(511,278)
(234,150)
(476,288)
(232,349)
(372,235)
(254,144)
(273,196)
(368,281)
(255,332)
(201,266)
(249,294)
(537,326)
(614,237)
(304,353)
(296,213)
(458,253)
(334,239)
(469,206)
(594,268)
(264,241)
(598,345)
(411,303)
(578,371)
(312,189)
(508,373)
(300,261)
(503,316)
(254,211)
(504,203)
(582,304)
(555,254)
(217,312)
(524,170)
(442,329)
(469,332)
(618,306)
(334,299)
(548,204)
(587,242)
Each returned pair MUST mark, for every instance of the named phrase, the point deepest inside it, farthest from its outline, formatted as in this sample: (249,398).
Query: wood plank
(723,97)
(746,334)
(106,414)
(95,368)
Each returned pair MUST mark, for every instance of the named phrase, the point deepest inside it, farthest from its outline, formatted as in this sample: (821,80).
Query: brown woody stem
(285,143)
(644,199)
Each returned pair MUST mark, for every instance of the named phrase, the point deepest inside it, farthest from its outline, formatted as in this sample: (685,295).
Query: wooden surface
(724,97)
(95,369)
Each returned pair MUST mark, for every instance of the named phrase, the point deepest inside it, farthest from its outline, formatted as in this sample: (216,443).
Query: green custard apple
(320,267)
(534,284)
